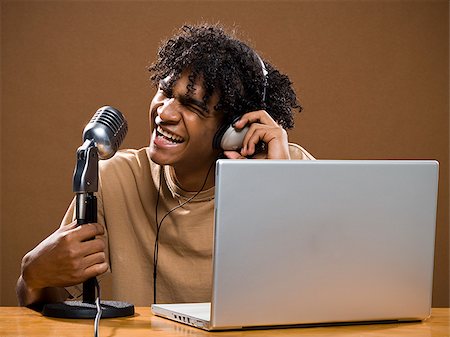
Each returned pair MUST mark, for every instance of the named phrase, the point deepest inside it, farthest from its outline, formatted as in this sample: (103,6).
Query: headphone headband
(265,74)
(218,137)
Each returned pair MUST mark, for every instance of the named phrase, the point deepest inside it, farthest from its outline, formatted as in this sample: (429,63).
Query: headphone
(227,136)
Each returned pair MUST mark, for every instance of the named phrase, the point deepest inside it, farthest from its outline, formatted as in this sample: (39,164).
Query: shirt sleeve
(298,152)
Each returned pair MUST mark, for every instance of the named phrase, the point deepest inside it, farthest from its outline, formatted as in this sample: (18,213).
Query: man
(156,204)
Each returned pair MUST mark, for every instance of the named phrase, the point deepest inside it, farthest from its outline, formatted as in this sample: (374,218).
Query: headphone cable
(159,224)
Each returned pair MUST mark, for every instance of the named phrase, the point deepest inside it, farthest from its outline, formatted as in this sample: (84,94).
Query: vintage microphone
(102,137)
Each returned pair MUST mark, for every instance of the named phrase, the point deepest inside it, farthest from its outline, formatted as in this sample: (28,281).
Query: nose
(168,111)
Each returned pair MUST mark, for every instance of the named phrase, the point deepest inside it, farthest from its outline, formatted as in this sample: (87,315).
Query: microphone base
(82,310)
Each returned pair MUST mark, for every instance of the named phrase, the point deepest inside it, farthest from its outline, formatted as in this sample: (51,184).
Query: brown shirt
(127,198)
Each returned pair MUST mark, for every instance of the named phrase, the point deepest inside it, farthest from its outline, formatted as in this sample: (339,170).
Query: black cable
(99,310)
(155,248)
(158,225)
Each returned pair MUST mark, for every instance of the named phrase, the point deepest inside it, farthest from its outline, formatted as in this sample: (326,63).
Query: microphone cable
(99,310)
(159,224)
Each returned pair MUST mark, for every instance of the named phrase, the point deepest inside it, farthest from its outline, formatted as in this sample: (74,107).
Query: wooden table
(16,321)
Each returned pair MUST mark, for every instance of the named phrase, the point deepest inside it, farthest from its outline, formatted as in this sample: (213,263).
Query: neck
(193,180)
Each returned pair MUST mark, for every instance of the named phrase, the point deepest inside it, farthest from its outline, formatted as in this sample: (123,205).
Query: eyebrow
(186,99)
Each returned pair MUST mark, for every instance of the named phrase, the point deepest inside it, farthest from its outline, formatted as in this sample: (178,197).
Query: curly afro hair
(229,67)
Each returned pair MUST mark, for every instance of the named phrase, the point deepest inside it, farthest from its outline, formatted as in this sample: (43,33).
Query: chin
(155,156)
(161,158)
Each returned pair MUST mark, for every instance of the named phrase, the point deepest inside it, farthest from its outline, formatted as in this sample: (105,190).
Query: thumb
(233,155)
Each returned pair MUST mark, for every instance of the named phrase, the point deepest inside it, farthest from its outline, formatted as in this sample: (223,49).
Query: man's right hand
(67,257)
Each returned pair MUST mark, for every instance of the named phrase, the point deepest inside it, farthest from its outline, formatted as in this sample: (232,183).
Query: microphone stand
(85,184)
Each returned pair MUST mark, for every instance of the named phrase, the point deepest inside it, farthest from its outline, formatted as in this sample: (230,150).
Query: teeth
(169,135)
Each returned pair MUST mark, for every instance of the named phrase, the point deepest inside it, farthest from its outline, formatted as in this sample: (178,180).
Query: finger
(256,134)
(96,270)
(233,155)
(259,116)
(96,258)
(92,246)
(88,231)
(72,225)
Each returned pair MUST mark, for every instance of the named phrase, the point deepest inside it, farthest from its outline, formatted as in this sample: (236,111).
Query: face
(183,127)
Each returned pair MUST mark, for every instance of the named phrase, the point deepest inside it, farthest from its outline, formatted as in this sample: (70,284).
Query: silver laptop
(318,242)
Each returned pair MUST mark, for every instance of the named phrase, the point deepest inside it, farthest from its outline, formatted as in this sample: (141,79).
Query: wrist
(26,294)
(27,274)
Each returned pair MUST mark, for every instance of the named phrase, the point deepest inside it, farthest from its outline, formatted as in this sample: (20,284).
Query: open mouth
(168,136)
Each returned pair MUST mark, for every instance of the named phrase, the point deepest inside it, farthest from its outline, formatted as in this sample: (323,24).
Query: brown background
(372,76)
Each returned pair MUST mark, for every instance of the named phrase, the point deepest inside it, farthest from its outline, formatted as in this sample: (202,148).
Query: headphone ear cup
(219,135)
(232,138)
(228,138)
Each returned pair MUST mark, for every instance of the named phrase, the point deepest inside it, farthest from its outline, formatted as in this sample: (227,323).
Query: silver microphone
(108,129)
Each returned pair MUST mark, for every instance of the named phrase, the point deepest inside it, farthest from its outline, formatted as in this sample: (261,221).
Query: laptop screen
(323,241)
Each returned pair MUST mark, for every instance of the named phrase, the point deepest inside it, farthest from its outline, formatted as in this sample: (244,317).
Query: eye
(196,109)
